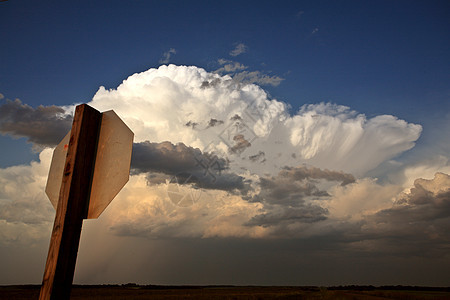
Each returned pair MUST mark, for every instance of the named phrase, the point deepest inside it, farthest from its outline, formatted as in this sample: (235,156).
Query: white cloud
(425,169)
(148,211)
(159,103)
(364,197)
(240,48)
(25,211)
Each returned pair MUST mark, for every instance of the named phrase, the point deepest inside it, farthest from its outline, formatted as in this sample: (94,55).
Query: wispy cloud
(240,48)
(314,31)
(240,74)
(167,55)
(229,66)
(257,77)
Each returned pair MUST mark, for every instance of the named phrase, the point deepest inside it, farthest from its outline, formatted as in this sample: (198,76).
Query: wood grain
(72,206)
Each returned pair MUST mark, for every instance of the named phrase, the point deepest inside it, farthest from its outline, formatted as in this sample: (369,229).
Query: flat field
(113,292)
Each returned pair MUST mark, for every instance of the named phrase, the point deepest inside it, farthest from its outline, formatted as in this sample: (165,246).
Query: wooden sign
(112,164)
(89,167)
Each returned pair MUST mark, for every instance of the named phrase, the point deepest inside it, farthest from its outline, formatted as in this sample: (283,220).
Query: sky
(275,142)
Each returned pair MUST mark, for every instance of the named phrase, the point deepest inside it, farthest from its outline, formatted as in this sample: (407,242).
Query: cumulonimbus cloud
(293,177)
(236,122)
(285,175)
(157,105)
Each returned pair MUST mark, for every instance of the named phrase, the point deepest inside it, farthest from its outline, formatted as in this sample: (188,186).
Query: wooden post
(73,204)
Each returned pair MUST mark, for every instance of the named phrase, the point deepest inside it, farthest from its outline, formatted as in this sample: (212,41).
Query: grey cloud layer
(167,160)
(44,125)
(416,225)
(293,184)
(301,173)
(419,219)
(286,197)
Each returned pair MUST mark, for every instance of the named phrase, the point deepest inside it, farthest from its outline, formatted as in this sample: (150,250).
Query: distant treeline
(389,287)
(305,288)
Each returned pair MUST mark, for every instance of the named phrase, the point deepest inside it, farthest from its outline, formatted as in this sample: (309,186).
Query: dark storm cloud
(293,184)
(164,157)
(282,216)
(300,173)
(285,197)
(288,192)
(415,226)
(165,160)
(428,201)
(418,221)
(44,125)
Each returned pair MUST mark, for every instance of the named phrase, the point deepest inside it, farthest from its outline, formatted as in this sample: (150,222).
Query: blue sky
(381,57)
(370,56)
(375,57)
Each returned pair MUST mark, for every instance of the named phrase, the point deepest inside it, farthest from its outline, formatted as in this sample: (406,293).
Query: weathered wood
(72,206)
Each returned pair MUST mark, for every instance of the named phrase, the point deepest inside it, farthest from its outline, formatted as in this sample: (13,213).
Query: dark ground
(132,291)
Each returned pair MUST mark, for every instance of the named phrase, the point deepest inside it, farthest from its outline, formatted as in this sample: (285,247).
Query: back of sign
(112,164)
